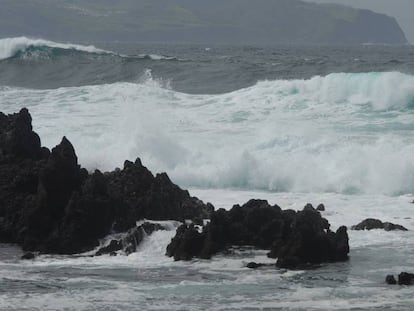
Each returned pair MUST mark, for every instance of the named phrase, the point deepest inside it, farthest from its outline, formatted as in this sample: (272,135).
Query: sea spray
(11,46)
(345,133)
(28,48)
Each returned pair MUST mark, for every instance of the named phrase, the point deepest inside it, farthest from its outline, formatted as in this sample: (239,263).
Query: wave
(9,47)
(26,48)
(344,133)
(158,57)
(378,91)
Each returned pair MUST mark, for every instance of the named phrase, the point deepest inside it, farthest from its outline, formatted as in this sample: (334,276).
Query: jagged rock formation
(129,241)
(295,238)
(371,223)
(48,203)
(321,208)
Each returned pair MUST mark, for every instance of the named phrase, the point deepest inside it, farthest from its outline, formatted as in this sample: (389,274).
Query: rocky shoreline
(295,238)
(50,204)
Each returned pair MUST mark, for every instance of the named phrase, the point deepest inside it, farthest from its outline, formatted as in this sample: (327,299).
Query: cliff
(194,21)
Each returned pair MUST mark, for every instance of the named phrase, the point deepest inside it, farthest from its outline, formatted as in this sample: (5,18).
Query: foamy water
(342,139)
(149,280)
(10,46)
(344,133)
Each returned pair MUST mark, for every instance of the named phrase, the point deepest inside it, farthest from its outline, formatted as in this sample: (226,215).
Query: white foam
(150,254)
(158,57)
(10,46)
(341,209)
(344,133)
(148,280)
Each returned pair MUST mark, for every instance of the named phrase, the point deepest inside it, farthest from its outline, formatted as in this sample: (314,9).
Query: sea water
(292,125)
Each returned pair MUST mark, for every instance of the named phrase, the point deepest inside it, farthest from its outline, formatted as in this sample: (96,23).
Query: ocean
(290,124)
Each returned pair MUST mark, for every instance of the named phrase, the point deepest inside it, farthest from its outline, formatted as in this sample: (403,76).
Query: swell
(27,48)
(10,47)
(344,133)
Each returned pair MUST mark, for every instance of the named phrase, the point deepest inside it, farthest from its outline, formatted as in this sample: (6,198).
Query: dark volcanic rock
(321,208)
(72,209)
(187,242)
(254,265)
(405,278)
(28,256)
(113,246)
(131,240)
(17,137)
(295,238)
(390,227)
(310,241)
(60,177)
(152,197)
(135,236)
(48,203)
(370,223)
(390,279)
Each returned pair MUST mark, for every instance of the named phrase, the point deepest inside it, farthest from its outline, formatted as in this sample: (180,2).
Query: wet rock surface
(371,223)
(130,241)
(295,238)
(28,256)
(48,203)
(17,136)
(257,265)
(404,278)
(321,208)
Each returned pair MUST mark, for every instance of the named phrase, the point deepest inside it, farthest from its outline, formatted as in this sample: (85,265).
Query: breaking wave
(10,47)
(344,133)
(25,48)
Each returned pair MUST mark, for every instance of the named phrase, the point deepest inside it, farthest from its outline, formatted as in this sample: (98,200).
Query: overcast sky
(403,10)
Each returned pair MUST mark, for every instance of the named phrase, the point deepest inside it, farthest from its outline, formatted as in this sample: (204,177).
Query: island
(233,22)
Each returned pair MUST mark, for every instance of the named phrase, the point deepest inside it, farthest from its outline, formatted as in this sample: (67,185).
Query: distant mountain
(197,21)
